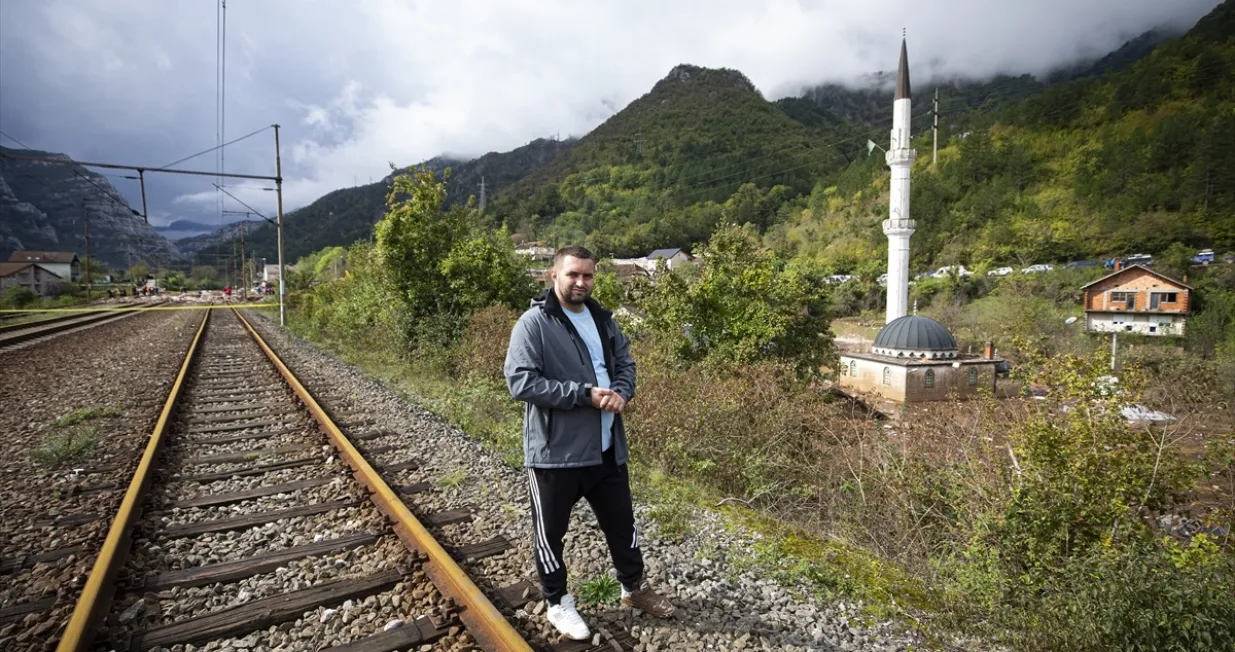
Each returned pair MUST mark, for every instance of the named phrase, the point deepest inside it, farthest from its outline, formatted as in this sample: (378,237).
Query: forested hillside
(344,216)
(1127,162)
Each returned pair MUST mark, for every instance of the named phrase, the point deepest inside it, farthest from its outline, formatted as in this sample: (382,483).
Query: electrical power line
(216,147)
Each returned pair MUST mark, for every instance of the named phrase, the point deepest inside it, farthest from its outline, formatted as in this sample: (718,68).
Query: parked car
(1139,259)
(1204,257)
(1000,271)
(959,270)
(1034,269)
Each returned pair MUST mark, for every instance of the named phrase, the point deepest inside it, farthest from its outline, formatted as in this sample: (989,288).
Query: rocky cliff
(42,204)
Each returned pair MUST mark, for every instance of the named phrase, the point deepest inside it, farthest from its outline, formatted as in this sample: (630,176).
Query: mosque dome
(914,336)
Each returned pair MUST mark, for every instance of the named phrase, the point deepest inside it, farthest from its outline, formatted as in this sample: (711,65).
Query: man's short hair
(582,253)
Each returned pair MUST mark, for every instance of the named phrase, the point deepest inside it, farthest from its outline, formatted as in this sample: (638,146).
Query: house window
(887,376)
(853,369)
(973,375)
(930,378)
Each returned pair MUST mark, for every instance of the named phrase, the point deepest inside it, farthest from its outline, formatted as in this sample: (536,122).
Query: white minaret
(898,227)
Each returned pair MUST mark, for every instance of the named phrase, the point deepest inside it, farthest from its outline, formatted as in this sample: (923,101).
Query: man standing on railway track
(569,362)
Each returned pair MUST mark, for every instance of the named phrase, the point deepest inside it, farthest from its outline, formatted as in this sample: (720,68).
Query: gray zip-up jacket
(548,368)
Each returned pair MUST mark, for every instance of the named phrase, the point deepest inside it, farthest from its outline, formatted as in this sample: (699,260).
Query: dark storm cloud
(355,85)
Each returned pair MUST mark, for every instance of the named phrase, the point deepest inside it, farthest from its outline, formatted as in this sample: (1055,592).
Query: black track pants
(554,493)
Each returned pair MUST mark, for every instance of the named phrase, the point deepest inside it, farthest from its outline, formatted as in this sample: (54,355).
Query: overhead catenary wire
(218,147)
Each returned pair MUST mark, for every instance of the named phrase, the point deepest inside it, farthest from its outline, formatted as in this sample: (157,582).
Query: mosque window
(930,377)
(973,375)
(887,376)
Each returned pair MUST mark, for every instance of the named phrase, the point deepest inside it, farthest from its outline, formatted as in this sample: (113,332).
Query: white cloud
(357,85)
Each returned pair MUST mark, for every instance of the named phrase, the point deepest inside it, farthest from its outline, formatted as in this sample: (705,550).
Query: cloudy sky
(358,84)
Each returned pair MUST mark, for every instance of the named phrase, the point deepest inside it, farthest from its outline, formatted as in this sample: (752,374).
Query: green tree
(1176,260)
(744,307)
(483,271)
(138,273)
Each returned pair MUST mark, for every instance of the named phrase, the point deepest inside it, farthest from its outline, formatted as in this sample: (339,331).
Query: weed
(85,414)
(454,478)
(602,589)
(66,445)
(672,520)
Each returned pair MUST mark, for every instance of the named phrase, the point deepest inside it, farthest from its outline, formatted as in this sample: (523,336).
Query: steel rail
(18,333)
(483,620)
(95,600)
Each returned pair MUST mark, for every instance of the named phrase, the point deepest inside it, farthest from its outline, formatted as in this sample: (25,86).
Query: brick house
(1137,299)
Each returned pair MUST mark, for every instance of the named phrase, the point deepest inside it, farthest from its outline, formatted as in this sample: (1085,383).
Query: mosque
(914,358)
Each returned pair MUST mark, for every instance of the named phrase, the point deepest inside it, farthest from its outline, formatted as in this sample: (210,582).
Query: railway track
(14,335)
(255,519)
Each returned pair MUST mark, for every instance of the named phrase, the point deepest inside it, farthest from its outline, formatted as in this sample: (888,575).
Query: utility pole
(278,183)
(1114,351)
(244,277)
(482,194)
(85,218)
(141,177)
(935,131)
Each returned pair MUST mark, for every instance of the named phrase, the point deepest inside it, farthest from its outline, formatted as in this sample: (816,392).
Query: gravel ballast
(121,371)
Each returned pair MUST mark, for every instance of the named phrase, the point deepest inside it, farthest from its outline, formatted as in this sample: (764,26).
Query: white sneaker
(567,620)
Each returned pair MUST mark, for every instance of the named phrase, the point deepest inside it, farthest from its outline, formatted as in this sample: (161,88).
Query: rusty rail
(96,596)
(483,620)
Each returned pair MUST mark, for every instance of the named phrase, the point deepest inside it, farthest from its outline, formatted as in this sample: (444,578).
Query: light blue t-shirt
(587,329)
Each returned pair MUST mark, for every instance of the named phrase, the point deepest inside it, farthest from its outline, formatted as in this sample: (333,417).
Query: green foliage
(744,307)
(18,296)
(85,414)
(138,273)
(1083,472)
(602,589)
(436,266)
(65,445)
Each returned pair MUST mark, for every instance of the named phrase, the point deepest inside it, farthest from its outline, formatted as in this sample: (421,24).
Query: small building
(61,263)
(270,274)
(673,257)
(41,280)
(536,251)
(1137,299)
(915,358)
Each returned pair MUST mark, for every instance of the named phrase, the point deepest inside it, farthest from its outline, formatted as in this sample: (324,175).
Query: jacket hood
(547,300)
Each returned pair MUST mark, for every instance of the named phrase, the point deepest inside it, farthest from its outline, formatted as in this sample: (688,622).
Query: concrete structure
(1137,299)
(899,227)
(39,279)
(61,263)
(270,273)
(915,358)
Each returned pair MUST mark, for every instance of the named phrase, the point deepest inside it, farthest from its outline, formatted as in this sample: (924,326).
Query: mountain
(694,139)
(218,236)
(181,229)
(42,206)
(1130,161)
(705,145)
(344,216)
